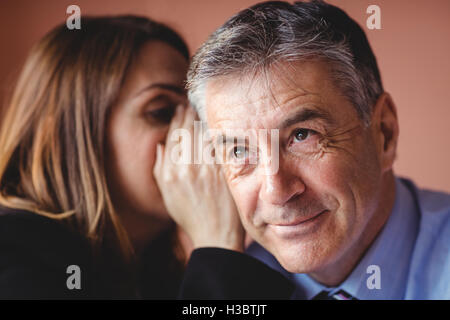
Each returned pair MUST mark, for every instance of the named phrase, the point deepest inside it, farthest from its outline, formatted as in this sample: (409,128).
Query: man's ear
(385,130)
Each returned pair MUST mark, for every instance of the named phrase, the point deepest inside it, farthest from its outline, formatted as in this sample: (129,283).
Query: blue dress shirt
(412,252)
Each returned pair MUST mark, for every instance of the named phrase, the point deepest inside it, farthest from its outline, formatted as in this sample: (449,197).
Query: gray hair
(270,32)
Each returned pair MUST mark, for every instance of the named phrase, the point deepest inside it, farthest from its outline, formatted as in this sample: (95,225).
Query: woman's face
(153,87)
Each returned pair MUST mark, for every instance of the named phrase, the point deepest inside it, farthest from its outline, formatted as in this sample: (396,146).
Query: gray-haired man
(334,215)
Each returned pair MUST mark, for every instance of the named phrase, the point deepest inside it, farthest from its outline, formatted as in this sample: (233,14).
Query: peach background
(412,50)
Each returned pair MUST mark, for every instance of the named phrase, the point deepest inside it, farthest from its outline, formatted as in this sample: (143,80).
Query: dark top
(35,253)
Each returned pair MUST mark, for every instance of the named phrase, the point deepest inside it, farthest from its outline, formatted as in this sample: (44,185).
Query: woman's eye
(163,115)
(301,134)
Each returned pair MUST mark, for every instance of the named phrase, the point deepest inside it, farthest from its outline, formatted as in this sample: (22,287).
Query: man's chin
(304,258)
(306,250)
(301,265)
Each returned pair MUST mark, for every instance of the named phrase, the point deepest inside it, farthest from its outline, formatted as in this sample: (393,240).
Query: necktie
(340,295)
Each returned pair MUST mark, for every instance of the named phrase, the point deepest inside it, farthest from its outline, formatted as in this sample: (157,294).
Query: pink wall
(412,49)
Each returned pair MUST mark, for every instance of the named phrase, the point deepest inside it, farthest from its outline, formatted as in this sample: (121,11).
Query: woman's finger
(189,118)
(158,169)
(158,161)
(176,123)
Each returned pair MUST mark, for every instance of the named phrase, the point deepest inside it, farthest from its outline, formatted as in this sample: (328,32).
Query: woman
(79,138)
(81,214)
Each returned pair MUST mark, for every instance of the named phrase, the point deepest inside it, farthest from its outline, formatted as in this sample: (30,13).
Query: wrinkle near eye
(307,148)
(239,170)
(341,140)
(332,141)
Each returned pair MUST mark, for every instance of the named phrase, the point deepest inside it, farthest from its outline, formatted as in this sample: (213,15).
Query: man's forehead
(265,95)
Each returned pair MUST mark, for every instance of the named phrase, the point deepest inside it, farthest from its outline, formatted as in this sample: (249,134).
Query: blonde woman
(81,214)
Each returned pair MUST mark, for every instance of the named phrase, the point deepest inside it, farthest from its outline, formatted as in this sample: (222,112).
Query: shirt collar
(391,252)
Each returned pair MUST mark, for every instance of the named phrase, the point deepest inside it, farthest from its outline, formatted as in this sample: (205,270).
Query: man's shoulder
(435,215)
(434,203)
(431,259)
(434,206)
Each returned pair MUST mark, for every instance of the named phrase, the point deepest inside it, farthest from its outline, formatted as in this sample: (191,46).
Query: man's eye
(239,152)
(301,134)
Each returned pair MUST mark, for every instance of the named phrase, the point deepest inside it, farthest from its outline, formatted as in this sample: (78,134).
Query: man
(333,214)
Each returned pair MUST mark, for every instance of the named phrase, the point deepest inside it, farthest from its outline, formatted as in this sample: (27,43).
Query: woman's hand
(196,195)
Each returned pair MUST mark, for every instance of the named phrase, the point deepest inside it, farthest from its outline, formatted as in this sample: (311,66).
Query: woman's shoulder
(38,252)
(31,233)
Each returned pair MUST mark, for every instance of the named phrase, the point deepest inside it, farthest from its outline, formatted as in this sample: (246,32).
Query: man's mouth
(300,220)
(300,225)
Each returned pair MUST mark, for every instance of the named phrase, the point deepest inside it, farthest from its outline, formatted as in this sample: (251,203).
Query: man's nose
(281,186)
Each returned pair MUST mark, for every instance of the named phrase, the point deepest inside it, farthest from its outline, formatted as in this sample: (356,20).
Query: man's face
(314,208)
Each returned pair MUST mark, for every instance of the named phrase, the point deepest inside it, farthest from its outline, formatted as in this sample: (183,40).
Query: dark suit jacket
(35,253)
